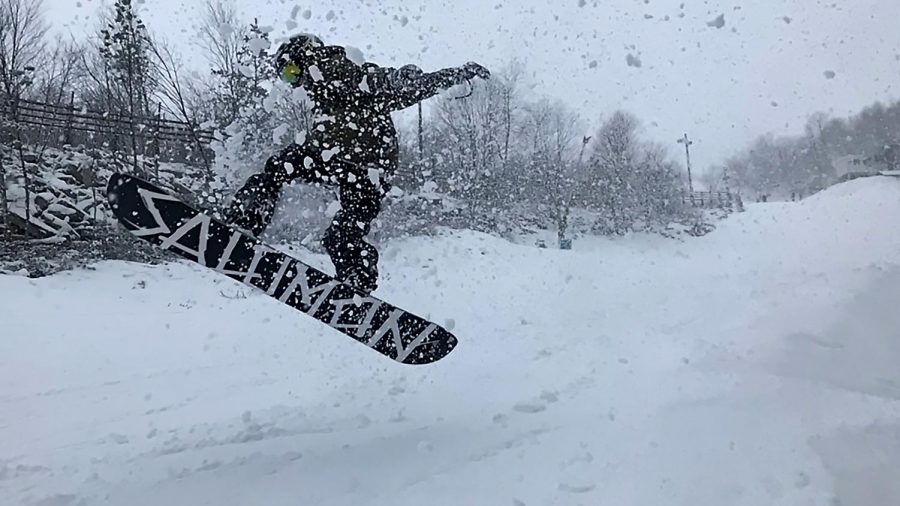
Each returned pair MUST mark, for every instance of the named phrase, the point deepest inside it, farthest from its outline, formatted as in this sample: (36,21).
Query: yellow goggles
(291,73)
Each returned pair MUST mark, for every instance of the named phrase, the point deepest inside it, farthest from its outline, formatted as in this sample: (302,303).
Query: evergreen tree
(126,52)
(128,69)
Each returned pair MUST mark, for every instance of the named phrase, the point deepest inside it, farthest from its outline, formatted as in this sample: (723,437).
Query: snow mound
(875,188)
(753,366)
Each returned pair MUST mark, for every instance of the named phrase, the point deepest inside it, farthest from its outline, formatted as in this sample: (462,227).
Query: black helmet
(293,56)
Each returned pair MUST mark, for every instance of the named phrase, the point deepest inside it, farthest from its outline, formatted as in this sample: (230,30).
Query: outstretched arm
(408,85)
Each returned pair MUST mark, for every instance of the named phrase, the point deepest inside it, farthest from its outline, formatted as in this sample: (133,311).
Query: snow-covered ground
(759,365)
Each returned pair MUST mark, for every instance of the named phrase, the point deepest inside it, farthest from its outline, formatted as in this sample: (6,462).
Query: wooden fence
(57,125)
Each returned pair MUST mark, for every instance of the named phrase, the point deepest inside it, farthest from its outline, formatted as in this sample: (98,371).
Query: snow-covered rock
(67,188)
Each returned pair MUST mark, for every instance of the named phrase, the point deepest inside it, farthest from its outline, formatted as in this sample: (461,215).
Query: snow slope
(753,366)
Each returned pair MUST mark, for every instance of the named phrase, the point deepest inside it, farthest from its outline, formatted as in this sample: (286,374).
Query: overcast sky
(672,62)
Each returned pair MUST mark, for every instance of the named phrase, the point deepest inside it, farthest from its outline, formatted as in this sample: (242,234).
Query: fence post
(90,178)
(134,150)
(70,117)
(156,139)
(4,206)
(27,186)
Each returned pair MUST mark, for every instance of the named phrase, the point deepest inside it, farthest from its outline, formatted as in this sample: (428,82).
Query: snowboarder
(352,145)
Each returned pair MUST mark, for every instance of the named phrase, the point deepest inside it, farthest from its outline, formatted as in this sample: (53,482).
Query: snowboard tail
(155,216)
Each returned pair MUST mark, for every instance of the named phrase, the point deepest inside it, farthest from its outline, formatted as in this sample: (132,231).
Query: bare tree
(471,136)
(222,39)
(22,32)
(551,133)
(54,83)
(221,35)
(511,161)
(174,95)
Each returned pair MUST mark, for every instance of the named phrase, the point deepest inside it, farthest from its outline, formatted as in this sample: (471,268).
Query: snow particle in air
(803,480)
(316,73)
(259,44)
(355,55)
(830,74)
(633,61)
(719,22)
(576,489)
(328,154)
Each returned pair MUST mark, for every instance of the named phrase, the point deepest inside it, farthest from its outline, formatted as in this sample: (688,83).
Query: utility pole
(687,151)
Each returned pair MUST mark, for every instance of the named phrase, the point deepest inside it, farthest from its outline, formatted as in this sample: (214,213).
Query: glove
(471,70)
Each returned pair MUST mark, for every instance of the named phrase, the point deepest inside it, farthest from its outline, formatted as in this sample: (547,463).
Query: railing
(714,200)
(73,118)
(171,140)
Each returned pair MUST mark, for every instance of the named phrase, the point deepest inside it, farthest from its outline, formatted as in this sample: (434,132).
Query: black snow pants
(361,191)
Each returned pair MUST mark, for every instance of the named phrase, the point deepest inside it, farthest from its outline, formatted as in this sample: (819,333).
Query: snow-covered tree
(236,53)
(128,78)
(552,134)
(473,132)
(613,165)
(630,182)
(830,148)
(253,121)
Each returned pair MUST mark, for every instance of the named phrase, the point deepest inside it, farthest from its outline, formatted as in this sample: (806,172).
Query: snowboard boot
(363,279)
(355,261)
(253,206)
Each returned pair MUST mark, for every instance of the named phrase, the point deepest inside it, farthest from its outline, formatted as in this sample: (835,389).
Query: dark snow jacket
(353,135)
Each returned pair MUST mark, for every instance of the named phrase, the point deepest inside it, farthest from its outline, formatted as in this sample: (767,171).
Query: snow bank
(753,366)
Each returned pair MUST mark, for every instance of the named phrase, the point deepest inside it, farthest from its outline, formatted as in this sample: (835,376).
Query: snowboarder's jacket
(352,134)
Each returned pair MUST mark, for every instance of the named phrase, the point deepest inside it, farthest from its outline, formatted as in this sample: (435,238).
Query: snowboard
(155,216)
